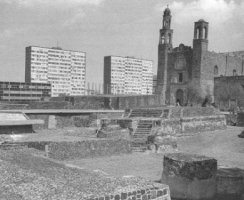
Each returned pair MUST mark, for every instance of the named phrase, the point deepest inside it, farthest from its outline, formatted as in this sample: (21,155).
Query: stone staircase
(156,113)
(139,140)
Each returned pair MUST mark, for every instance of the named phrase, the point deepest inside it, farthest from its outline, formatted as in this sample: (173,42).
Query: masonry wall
(53,121)
(180,61)
(83,149)
(229,92)
(225,67)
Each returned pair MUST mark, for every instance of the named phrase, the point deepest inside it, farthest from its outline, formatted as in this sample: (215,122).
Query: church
(186,73)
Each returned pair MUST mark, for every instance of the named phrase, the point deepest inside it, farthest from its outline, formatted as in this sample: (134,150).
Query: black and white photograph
(122,100)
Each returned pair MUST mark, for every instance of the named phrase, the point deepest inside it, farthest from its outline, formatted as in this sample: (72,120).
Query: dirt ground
(224,145)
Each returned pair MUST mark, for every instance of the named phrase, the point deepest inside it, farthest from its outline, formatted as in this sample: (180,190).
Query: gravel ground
(24,176)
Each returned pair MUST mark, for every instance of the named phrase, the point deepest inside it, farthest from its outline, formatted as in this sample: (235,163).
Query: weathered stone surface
(88,148)
(240,119)
(101,134)
(230,183)
(190,176)
(189,166)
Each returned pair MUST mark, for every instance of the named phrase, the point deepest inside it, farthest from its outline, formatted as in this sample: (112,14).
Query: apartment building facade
(127,75)
(65,70)
(20,91)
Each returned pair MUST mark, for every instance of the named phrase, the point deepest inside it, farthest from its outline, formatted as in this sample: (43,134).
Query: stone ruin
(155,128)
(16,123)
(198,177)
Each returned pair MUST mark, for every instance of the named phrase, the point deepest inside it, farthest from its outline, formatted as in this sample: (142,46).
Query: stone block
(190,176)
(52,123)
(230,183)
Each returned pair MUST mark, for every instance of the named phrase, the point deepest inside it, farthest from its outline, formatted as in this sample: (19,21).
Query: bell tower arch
(164,47)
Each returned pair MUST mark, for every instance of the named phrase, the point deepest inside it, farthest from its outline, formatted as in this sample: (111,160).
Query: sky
(110,27)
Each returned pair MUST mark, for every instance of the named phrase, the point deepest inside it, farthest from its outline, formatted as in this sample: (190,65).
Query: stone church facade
(183,67)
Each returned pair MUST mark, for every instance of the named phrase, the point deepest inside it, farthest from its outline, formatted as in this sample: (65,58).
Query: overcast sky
(110,27)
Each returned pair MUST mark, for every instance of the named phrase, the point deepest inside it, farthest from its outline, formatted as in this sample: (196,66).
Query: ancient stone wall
(16,129)
(83,149)
(154,193)
(52,121)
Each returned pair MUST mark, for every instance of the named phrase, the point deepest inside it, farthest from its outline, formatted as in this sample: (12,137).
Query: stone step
(146,113)
(142,133)
(143,129)
(140,136)
(139,141)
(146,128)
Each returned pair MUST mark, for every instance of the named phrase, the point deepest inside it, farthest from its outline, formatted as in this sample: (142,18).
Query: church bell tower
(164,47)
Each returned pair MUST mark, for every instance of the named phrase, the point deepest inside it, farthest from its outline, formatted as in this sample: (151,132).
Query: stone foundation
(16,129)
(82,149)
(190,176)
(161,192)
(230,184)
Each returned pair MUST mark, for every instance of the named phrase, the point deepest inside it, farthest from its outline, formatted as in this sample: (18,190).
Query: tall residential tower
(127,75)
(64,69)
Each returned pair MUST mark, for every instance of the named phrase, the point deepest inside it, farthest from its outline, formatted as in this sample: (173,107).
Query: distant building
(19,91)
(184,70)
(127,75)
(64,69)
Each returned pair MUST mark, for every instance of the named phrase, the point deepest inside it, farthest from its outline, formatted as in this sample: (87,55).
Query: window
(180,78)
(216,70)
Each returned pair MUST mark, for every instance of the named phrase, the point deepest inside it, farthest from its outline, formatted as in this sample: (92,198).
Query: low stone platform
(174,121)
(190,176)
(16,122)
(26,175)
(63,145)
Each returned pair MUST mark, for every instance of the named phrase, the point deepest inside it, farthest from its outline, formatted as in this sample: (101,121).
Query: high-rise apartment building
(127,75)
(64,69)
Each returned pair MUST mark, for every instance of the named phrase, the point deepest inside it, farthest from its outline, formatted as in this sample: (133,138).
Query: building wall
(18,91)
(217,65)
(147,77)
(195,68)
(127,75)
(64,69)
(229,92)
(212,65)
(179,71)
